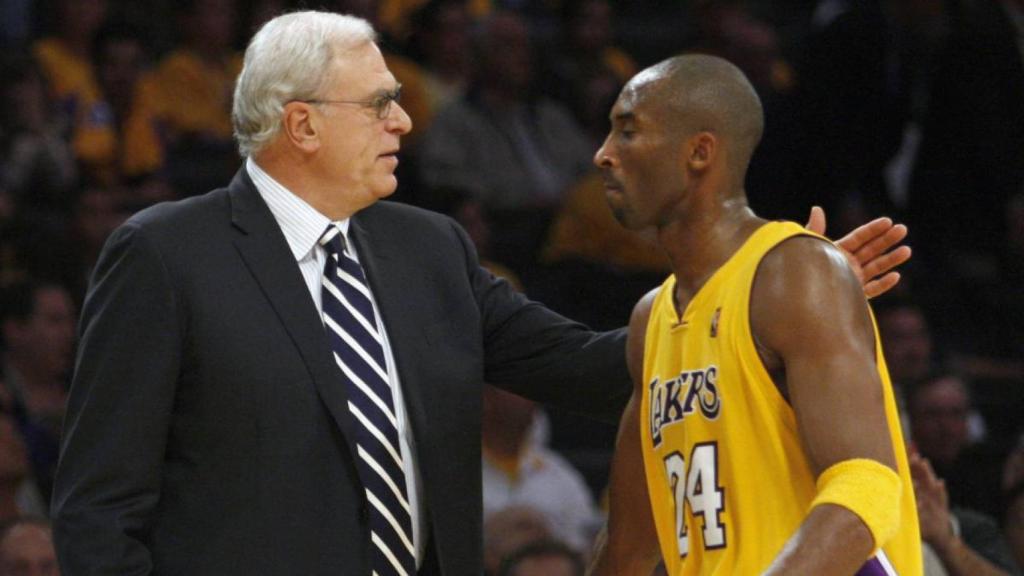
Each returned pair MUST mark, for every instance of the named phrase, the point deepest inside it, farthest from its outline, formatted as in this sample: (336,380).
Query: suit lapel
(265,251)
(392,280)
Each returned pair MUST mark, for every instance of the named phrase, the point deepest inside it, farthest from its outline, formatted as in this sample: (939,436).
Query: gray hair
(288,59)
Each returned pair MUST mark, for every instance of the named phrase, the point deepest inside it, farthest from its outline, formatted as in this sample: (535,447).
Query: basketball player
(762,415)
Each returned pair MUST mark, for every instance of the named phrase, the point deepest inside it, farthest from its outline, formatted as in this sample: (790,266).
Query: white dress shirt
(302,226)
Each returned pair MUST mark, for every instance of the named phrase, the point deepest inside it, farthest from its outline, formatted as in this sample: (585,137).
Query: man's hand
(932,504)
(867,249)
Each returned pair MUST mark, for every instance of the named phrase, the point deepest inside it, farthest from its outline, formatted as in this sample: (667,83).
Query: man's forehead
(364,66)
(636,96)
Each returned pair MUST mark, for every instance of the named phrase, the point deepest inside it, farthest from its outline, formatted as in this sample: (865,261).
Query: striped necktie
(358,347)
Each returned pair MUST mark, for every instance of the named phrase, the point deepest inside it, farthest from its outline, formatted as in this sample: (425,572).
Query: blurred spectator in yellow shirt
(120,56)
(187,102)
(64,58)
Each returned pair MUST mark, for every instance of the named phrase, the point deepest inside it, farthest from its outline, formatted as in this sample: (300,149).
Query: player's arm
(811,323)
(629,543)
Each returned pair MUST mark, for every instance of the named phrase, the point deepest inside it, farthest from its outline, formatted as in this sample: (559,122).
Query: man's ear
(701,150)
(300,125)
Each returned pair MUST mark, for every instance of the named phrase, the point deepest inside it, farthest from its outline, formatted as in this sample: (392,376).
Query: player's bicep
(808,308)
(637,337)
(632,542)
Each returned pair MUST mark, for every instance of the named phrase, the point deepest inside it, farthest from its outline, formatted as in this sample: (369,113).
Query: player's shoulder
(800,262)
(636,339)
(803,292)
(642,309)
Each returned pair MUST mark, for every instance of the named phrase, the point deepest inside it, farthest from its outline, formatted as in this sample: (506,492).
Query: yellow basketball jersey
(728,478)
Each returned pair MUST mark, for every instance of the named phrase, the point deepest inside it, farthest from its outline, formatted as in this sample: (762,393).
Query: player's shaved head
(697,92)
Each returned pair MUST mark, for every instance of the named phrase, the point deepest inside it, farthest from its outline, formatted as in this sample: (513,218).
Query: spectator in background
(939,409)
(962,542)
(729,29)
(965,201)
(439,41)
(65,60)
(971,160)
(907,343)
(37,168)
(518,470)
(96,213)
(120,54)
(588,69)
(508,530)
(542,558)
(516,151)
(189,104)
(37,321)
(863,91)
(1013,521)
(26,549)
(470,214)
(19,494)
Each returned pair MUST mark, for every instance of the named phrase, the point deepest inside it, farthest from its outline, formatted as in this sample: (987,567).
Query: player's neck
(699,245)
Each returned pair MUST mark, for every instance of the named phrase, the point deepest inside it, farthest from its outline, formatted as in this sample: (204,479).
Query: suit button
(364,513)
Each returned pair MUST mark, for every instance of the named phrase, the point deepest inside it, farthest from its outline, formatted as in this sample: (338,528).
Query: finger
(864,234)
(816,223)
(879,286)
(935,483)
(886,262)
(918,472)
(881,243)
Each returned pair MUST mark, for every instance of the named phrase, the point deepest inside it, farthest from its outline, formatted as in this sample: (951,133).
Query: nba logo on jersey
(714,322)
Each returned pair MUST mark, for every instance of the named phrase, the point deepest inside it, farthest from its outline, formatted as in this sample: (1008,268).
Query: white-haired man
(234,411)
(284,376)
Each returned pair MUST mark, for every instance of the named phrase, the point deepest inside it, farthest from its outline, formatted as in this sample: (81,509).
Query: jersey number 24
(697,486)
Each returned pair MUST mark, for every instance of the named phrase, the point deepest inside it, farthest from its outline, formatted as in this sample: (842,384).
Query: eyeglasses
(381,104)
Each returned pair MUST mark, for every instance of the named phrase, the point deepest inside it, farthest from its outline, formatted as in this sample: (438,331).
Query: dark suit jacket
(206,429)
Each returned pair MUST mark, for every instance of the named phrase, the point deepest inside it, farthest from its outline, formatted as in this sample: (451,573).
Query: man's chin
(387,187)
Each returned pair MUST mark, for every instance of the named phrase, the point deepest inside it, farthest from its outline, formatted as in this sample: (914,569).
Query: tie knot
(333,241)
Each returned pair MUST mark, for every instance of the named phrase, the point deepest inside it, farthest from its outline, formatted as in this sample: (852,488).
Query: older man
(283,377)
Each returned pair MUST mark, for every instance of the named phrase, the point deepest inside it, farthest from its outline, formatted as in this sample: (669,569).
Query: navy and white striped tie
(358,348)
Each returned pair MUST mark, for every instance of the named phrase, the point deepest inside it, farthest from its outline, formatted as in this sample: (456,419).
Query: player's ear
(700,151)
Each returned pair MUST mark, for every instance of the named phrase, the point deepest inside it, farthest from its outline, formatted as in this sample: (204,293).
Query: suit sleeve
(534,352)
(119,409)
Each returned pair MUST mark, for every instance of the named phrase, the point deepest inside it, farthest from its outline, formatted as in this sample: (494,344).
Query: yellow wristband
(869,489)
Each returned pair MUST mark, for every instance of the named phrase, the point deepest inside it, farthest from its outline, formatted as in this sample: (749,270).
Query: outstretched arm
(868,250)
(629,543)
(810,319)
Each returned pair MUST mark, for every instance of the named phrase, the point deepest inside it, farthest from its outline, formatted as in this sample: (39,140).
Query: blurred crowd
(908,108)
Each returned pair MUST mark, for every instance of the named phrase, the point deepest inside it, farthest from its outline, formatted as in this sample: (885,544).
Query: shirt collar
(301,223)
